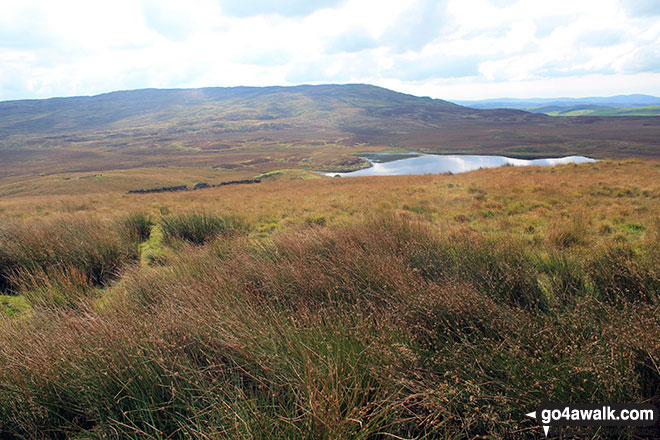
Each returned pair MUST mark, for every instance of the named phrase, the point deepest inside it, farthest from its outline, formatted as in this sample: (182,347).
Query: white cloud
(443,48)
(477,88)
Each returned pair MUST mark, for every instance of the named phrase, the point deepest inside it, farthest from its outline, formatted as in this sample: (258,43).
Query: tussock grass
(137,225)
(381,321)
(620,272)
(569,233)
(385,328)
(94,250)
(199,227)
(54,286)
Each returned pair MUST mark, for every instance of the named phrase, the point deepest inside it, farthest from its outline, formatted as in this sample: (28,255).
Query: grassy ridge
(412,306)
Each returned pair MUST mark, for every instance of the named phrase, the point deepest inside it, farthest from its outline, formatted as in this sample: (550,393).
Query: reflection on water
(388,164)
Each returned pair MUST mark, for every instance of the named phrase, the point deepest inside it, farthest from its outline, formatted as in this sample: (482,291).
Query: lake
(394,164)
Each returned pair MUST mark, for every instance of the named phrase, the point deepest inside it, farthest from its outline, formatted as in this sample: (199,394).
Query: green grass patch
(289,175)
(152,251)
(14,306)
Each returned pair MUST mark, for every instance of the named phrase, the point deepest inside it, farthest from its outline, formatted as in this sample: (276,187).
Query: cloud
(339,68)
(603,37)
(78,47)
(171,20)
(419,25)
(439,68)
(435,61)
(355,39)
(577,86)
(289,8)
(641,60)
(412,28)
(641,8)
(264,57)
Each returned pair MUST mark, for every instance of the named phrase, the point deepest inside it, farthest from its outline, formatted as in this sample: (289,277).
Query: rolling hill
(304,127)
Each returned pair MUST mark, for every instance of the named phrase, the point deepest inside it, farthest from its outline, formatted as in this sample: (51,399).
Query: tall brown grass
(410,307)
(381,329)
(200,227)
(75,246)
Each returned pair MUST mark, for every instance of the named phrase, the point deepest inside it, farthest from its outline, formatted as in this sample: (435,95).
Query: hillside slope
(262,129)
(248,105)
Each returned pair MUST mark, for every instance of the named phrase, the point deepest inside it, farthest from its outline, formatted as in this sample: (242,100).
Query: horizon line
(325,85)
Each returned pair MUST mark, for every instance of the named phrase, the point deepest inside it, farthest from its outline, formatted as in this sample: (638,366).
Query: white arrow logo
(546,428)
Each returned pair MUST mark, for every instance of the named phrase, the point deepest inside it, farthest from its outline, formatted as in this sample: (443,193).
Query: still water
(389,164)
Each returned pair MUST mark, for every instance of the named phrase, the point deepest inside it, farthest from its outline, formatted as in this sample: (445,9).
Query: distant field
(649,110)
(623,105)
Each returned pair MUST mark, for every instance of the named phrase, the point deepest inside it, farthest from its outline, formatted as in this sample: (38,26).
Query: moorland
(304,306)
(303,127)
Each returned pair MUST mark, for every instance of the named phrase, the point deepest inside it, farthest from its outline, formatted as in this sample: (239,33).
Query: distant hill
(186,107)
(647,110)
(303,127)
(621,105)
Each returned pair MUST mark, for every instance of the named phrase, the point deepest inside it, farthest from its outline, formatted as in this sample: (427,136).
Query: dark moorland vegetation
(398,307)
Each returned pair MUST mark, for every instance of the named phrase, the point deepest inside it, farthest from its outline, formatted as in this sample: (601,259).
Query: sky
(449,49)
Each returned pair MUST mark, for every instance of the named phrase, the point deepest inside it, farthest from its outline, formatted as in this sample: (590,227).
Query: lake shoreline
(414,163)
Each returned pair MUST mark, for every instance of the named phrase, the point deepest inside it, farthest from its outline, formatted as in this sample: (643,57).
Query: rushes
(137,225)
(54,286)
(620,273)
(93,249)
(379,329)
(198,228)
(569,232)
